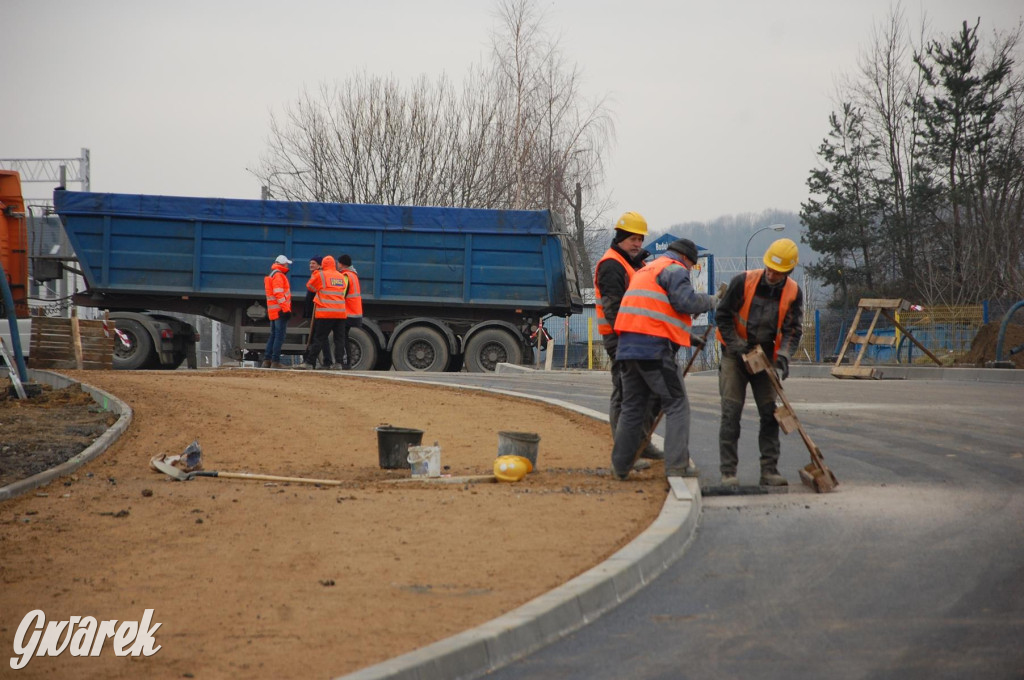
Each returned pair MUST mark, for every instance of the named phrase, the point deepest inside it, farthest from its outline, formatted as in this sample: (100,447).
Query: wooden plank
(874,340)
(883,303)
(871,330)
(76,337)
(851,334)
(856,372)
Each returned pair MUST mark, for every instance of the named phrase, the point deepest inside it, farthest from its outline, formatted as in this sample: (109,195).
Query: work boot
(688,470)
(621,476)
(730,481)
(266,363)
(304,367)
(275,364)
(769,478)
(652,452)
(641,465)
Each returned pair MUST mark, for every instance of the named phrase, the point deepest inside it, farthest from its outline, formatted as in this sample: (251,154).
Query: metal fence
(946,331)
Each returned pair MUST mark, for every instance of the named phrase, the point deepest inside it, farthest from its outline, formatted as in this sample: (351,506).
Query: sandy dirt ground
(286,580)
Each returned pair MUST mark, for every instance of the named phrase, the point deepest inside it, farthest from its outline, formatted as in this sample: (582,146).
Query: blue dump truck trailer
(442,288)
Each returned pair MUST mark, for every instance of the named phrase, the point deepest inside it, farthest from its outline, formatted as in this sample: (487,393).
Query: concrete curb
(559,612)
(107,401)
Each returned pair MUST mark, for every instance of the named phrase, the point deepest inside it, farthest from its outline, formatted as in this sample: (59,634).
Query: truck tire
(139,352)
(491,347)
(420,348)
(362,350)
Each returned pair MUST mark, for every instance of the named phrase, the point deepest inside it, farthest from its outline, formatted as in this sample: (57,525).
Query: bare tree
(517,135)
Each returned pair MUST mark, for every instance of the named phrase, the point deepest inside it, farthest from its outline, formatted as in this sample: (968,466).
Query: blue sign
(659,246)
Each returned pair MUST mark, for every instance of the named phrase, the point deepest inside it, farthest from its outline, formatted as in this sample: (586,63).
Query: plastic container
(425,461)
(393,446)
(523,444)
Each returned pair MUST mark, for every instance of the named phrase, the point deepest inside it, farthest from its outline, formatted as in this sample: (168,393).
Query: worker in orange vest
(279,309)
(760,307)
(612,275)
(326,360)
(653,322)
(329,286)
(353,304)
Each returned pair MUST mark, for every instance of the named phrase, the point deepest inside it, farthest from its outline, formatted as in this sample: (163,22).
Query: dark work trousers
(308,311)
(642,381)
(615,403)
(323,327)
(343,358)
(733,379)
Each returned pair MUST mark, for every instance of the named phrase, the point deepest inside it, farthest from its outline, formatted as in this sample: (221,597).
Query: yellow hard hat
(511,468)
(781,255)
(633,222)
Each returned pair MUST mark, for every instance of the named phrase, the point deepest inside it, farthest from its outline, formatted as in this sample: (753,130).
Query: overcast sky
(719,107)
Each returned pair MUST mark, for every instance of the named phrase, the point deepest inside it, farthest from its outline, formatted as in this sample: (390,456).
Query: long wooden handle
(267,478)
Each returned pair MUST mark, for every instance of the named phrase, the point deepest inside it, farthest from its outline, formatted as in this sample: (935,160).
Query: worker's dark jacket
(763,322)
(612,281)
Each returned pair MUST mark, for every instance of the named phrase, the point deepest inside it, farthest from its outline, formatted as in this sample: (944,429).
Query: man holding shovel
(760,307)
(653,322)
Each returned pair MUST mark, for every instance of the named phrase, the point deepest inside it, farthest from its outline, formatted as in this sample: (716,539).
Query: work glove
(738,348)
(696,342)
(286,315)
(782,365)
(716,299)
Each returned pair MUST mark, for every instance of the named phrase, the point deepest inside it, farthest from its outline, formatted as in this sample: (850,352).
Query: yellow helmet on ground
(511,468)
(633,222)
(781,255)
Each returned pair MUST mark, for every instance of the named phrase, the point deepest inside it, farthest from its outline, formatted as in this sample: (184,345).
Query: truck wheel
(139,350)
(362,350)
(491,347)
(420,348)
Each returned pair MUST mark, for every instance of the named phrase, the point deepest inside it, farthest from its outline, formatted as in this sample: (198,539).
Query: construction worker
(314,266)
(279,309)
(329,288)
(653,322)
(612,275)
(760,307)
(353,303)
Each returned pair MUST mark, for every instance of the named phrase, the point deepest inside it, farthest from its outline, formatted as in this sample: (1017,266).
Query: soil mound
(983,347)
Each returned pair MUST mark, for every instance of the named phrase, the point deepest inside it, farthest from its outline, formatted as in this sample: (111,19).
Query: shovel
(815,475)
(160,464)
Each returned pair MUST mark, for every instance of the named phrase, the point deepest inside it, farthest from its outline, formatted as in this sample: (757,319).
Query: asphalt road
(912,568)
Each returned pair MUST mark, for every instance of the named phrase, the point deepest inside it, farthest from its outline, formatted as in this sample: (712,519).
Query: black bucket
(393,446)
(523,444)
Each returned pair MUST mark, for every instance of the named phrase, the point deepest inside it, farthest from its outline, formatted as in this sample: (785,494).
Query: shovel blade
(820,479)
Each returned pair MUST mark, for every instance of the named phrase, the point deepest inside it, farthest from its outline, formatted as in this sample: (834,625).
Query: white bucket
(425,461)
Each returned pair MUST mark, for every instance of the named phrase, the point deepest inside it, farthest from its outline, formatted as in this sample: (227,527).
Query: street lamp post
(773,227)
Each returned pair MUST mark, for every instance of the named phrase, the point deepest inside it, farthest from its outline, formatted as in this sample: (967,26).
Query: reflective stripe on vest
(603,327)
(742,318)
(330,299)
(646,309)
(353,296)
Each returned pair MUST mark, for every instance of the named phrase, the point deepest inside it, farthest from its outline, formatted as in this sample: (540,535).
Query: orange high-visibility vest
(645,307)
(330,286)
(353,296)
(789,291)
(603,327)
(278,291)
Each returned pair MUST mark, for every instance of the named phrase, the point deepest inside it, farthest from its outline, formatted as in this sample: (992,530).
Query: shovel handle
(266,478)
